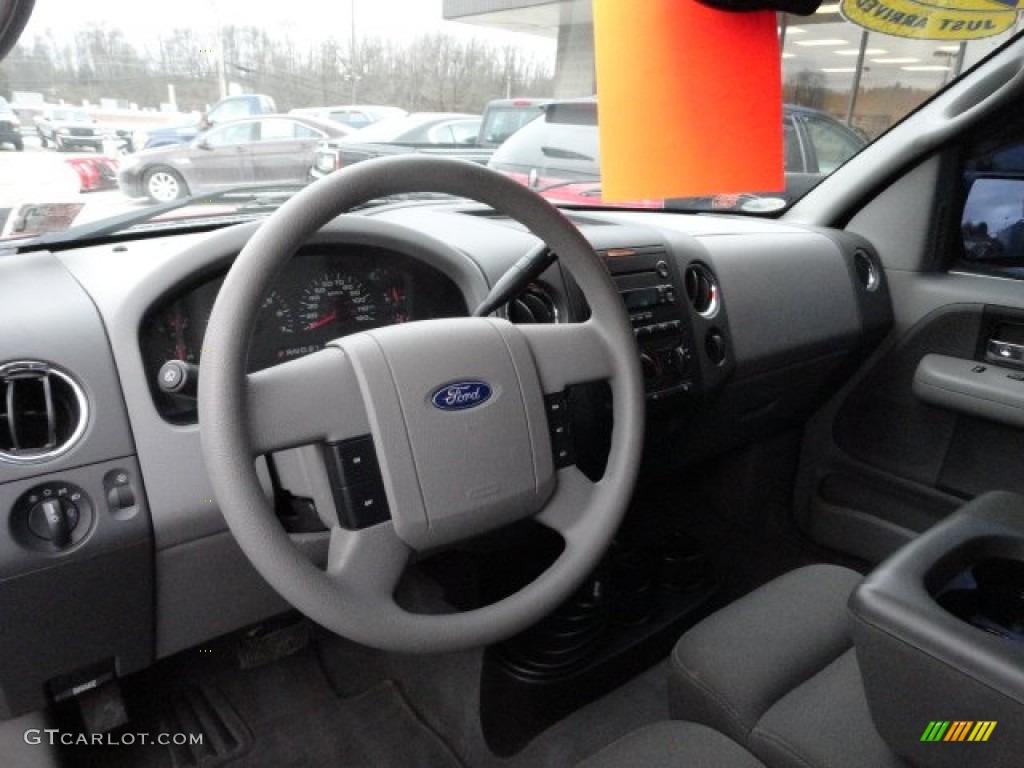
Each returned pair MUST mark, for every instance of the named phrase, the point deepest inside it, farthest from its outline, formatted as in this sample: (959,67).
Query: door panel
(226,162)
(879,463)
(284,153)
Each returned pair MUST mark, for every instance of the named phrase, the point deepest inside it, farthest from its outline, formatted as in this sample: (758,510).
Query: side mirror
(202,143)
(993,222)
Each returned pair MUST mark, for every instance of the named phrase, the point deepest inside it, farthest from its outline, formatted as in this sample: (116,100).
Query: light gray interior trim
(916,295)
(207,587)
(898,220)
(980,389)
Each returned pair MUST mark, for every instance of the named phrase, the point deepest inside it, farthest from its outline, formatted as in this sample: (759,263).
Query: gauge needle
(322,321)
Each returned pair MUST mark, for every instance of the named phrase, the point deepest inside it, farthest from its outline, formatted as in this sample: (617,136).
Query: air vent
(702,290)
(43,412)
(867,272)
(533,306)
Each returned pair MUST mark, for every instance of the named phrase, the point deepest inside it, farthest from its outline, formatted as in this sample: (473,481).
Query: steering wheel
(449,474)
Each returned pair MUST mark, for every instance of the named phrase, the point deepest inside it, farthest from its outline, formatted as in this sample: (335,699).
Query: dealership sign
(933,19)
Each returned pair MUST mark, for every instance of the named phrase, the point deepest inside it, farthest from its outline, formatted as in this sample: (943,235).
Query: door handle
(1005,351)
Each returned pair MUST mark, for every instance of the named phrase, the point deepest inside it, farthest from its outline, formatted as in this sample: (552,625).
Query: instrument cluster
(324,293)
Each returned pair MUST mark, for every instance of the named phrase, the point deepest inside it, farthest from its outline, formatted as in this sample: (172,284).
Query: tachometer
(275,316)
(173,329)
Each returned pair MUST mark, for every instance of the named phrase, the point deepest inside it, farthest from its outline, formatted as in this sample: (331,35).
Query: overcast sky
(301,20)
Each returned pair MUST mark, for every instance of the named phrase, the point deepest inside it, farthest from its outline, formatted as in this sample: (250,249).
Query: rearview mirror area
(993,221)
(796,7)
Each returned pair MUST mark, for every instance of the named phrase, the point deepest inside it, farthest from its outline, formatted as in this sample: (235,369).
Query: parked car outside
(69,128)
(226,109)
(355,116)
(272,149)
(444,133)
(503,117)
(559,153)
(10,126)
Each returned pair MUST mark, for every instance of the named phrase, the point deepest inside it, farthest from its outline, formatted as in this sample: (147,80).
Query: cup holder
(989,595)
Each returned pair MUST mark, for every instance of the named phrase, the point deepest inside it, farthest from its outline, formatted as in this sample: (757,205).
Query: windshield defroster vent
(43,412)
(533,306)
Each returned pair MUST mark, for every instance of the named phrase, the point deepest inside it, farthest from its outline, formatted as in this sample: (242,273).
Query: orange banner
(689,100)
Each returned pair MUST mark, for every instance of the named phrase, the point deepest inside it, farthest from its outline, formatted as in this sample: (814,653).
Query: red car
(95,172)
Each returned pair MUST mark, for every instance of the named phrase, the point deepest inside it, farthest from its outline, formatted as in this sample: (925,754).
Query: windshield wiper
(261,197)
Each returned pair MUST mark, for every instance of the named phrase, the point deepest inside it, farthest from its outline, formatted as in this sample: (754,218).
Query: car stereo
(648,282)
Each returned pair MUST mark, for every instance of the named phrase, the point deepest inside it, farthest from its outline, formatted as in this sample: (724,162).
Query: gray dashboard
(744,323)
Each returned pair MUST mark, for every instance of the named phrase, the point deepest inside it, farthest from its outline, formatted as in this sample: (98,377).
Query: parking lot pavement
(40,175)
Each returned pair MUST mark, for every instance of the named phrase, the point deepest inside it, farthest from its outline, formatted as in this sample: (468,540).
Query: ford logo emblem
(461,395)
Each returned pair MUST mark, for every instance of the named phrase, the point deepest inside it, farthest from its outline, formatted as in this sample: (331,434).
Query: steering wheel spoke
(312,399)
(368,562)
(572,353)
(567,510)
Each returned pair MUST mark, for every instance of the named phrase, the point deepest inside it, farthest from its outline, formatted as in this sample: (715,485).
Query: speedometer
(336,304)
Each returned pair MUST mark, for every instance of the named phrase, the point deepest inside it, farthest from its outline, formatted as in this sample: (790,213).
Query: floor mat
(279,715)
(376,728)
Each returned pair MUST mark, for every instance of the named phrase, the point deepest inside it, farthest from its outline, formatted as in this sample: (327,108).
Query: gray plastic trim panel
(979,389)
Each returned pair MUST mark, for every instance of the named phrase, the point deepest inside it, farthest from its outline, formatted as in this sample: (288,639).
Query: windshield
(109,101)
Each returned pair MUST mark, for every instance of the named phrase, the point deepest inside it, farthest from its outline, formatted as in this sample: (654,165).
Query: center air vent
(702,290)
(867,272)
(534,305)
(43,412)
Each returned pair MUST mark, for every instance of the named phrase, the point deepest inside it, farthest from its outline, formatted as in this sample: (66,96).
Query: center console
(670,309)
(939,631)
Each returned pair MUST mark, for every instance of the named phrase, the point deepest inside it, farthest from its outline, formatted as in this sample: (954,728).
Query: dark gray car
(271,149)
(559,152)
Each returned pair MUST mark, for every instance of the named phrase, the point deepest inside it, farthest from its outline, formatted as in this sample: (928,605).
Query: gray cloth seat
(673,744)
(776,672)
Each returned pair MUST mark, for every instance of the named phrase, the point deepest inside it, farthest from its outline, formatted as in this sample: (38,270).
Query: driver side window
(831,145)
(231,134)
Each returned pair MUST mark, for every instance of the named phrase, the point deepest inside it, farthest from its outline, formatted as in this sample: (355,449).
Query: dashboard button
(120,497)
(362,505)
(355,461)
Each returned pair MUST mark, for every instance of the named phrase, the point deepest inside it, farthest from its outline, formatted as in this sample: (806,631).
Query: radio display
(640,298)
